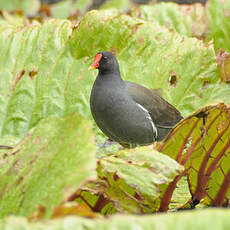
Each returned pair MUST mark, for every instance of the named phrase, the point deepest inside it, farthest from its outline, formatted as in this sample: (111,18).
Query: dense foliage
(59,166)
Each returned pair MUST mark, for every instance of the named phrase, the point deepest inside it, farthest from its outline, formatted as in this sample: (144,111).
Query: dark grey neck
(108,77)
(110,74)
(112,71)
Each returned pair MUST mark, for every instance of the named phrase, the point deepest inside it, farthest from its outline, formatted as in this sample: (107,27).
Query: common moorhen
(126,112)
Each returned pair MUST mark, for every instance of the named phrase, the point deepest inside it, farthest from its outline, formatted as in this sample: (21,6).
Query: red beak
(96,61)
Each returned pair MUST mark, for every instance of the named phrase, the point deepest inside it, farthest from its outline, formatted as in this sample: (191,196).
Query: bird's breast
(119,117)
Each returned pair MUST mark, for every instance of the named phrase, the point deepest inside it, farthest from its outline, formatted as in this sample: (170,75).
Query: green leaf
(47,166)
(27,6)
(133,180)
(180,195)
(39,77)
(116,4)
(201,143)
(212,219)
(219,23)
(171,15)
(93,195)
(68,8)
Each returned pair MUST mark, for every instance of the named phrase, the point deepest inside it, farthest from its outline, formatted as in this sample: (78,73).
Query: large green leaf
(136,178)
(219,23)
(132,181)
(187,20)
(47,166)
(69,8)
(39,77)
(27,6)
(117,4)
(201,143)
(203,219)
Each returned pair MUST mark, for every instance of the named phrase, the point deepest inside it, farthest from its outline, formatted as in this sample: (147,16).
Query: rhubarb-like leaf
(219,23)
(132,180)
(188,20)
(201,143)
(47,166)
(212,219)
(26,6)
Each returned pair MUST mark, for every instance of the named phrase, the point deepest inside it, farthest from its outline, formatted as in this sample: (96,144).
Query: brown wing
(162,113)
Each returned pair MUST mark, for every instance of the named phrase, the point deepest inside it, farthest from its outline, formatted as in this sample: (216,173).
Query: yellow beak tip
(91,68)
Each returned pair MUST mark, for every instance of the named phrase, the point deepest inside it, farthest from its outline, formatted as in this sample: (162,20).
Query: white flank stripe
(150,119)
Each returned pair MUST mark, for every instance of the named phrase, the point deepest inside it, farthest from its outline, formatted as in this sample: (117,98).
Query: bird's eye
(105,59)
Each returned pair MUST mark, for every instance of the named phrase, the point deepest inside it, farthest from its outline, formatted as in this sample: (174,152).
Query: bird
(126,112)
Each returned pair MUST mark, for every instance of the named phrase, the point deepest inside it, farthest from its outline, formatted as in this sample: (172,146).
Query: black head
(106,62)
